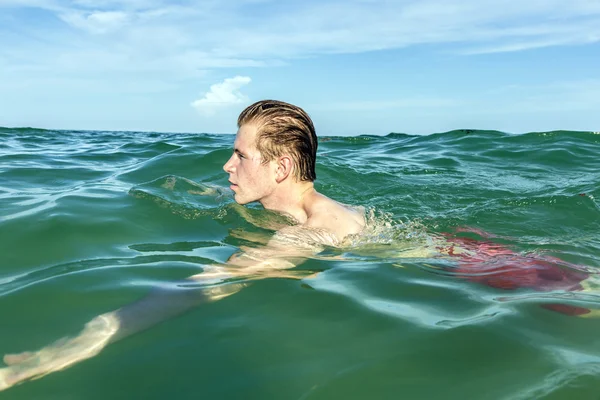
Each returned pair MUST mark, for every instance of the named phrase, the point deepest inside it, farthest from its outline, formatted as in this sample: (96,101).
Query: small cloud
(96,22)
(222,95)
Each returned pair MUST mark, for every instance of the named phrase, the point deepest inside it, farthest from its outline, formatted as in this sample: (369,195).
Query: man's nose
(228,165)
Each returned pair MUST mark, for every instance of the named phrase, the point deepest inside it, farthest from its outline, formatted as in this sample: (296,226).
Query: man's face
(250,178)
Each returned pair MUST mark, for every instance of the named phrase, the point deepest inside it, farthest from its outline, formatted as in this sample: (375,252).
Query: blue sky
(357,66)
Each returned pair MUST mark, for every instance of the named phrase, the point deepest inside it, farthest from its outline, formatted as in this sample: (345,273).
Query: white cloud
(180,41)
(105,45)
(97,22)
(222,95)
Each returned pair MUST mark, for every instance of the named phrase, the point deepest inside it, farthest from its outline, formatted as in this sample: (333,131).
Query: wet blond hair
(283,128)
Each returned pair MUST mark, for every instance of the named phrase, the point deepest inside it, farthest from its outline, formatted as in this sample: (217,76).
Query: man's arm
(217,282)
(288,248)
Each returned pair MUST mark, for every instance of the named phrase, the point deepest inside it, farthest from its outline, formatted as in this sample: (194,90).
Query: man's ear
(285,165)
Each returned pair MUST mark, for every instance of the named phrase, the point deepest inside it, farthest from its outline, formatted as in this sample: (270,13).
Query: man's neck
(291,199)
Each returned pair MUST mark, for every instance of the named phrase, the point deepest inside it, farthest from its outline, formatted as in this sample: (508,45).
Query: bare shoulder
(339,219)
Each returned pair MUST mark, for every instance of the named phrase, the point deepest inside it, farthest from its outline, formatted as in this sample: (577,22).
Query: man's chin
(240,200)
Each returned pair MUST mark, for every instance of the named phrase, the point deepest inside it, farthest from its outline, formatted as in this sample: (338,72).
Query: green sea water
(92,221)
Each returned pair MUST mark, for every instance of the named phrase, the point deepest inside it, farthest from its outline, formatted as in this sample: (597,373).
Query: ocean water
(92,221)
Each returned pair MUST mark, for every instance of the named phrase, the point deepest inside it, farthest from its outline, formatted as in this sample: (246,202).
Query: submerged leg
(161,304)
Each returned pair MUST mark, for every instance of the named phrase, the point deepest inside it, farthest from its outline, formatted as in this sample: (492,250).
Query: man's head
(276,142)
(283,128)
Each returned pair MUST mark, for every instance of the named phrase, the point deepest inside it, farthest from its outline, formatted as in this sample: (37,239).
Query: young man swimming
(273,163)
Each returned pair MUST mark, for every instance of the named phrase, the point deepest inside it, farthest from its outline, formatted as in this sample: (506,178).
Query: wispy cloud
(222,95)
(135,47)
(97,22)
(215,34)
